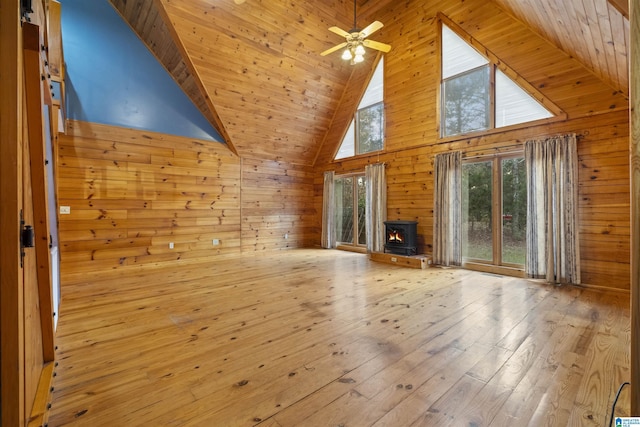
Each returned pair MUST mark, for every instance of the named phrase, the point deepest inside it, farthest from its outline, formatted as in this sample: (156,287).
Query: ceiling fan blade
(371,28)
(333,49)
(339,32)
(377,45)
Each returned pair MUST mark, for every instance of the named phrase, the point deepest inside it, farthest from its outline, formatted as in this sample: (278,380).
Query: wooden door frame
(11,282)
(634,143)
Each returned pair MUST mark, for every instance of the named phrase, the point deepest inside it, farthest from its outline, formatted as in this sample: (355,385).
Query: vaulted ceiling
(255,72)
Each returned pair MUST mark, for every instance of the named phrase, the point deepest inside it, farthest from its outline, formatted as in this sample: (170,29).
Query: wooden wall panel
(278,209)
(131,193)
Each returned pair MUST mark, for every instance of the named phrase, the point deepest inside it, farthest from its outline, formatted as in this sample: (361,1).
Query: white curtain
(447,209)
(376,206)
(328,212)
(553,249)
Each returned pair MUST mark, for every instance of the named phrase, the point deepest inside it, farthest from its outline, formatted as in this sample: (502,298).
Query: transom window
(476,95)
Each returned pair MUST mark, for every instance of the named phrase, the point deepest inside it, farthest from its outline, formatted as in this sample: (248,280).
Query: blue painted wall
(113,79)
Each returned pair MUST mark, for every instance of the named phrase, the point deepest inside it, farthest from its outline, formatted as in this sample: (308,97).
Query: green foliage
(476,191)
(514,196)
(370,128)
(466,102)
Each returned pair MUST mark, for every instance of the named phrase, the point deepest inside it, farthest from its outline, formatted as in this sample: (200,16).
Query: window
(468,102)
(350,203)
(494,211)
(366,131)
(370,129)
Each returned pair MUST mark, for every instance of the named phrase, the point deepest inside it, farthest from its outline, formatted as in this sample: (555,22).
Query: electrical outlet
(170,245)
(65,210)
(215,242)
(394,259)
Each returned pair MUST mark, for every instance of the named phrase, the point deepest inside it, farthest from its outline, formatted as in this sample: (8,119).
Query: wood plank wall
(277,205)
(131,193)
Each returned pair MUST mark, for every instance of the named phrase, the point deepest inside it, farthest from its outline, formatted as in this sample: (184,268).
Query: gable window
(476,95)
(366,131)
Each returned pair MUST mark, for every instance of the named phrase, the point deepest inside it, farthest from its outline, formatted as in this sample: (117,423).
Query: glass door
(350,202)
(494,211)
(514,211)
(477,211)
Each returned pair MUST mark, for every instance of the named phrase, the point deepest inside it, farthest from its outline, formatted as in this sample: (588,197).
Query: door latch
(27,238)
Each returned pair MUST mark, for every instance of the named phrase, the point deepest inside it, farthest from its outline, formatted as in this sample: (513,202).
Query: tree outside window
(370,128)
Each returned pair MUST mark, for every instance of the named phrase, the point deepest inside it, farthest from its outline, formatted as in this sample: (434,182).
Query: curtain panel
(447,209)
(376,206)
(553,249)
(328,239)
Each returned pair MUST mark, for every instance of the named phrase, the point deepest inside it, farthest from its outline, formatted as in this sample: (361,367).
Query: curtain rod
(509,149)
(516,148)
(357,171)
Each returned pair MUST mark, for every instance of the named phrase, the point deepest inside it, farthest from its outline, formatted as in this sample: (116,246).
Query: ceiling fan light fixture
(355,40)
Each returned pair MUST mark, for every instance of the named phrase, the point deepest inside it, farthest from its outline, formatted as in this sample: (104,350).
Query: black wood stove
(401,237)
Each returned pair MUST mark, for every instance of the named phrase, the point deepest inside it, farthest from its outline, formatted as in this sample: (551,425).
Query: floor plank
(330,338)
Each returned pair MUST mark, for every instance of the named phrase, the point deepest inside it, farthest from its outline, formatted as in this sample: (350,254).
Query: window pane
(514,105)
(514,211)
(362,202)
(466,102)
(477,237)
(344,209)
(348,147)
(457,55)
(375,89)
(370,128)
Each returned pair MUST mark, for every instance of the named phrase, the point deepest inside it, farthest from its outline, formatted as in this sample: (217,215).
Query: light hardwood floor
(330,338)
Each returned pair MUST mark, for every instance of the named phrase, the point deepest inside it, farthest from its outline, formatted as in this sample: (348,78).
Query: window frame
(496,264)
(490,105)
(354,122)
(357,128)
(495,64)
(356,245)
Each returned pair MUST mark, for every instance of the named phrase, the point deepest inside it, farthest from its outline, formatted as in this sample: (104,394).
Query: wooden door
(26,342)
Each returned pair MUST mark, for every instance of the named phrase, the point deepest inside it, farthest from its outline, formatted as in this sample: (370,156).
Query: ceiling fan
(356,40)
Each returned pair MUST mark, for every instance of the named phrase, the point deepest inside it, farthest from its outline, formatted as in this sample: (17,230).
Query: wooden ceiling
(255,72)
